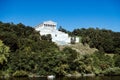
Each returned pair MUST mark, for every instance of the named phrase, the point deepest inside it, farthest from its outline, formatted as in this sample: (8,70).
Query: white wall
(57,36)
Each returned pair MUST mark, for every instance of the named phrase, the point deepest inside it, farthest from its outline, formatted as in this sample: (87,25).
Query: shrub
(112,71)
(20,73)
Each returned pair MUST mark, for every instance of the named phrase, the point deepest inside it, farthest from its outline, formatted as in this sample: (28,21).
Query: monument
(50,27)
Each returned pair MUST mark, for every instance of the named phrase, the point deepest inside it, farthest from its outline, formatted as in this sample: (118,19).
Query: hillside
(24,52)
(80,48)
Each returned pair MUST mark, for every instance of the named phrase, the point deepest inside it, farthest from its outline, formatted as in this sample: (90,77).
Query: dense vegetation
(104,40)
(24,52)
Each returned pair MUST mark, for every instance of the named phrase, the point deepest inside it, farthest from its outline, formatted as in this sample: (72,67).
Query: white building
(50,27)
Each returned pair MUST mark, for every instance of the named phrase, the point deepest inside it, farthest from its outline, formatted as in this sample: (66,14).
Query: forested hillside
(24,52)
(102,39)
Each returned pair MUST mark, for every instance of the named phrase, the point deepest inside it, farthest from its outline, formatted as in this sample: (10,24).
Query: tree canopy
(102,39)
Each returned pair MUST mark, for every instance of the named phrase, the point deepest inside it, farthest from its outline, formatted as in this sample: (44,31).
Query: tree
(62,29)
(4,53)
(104,40)
(101,61)
(47,37)
(117,60)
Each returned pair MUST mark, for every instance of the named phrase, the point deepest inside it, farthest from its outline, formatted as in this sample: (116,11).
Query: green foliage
(101,62)
(20,74)
(117,51)
(71,56)
(117,60)
(4,53)
(46,37)
(104,40)
(62,29)
(112,71)
(17,36)
(116,39)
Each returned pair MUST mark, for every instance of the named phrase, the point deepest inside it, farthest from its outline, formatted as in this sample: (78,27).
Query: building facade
(50,27)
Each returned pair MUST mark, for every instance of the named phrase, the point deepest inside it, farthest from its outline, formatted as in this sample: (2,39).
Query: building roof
(46,22)
(49,22)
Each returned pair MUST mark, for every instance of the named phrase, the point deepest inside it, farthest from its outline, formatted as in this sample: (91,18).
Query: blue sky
(69,14)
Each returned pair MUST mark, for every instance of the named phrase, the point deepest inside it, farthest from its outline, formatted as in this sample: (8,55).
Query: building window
(55,35)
